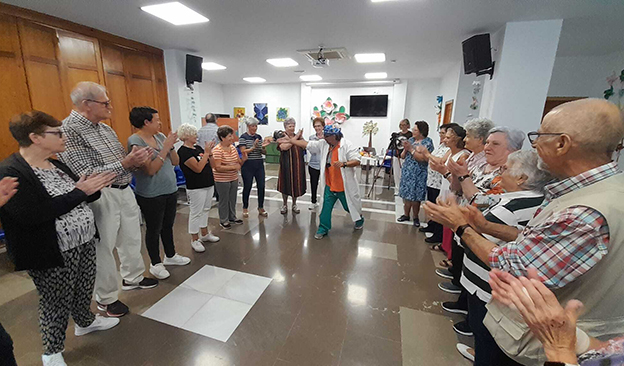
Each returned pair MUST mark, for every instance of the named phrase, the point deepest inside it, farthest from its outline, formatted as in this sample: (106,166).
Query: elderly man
(93,147)
(208,132)
(338,179)
(575,239)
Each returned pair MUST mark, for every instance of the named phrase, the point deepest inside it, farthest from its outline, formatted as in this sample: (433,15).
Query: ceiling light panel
(310,77)
(175,13)
(376,75)
(370,57)
(282,62)
(254,79)
(212,66)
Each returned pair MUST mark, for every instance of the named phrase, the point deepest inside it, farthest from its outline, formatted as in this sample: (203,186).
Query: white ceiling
(423,36)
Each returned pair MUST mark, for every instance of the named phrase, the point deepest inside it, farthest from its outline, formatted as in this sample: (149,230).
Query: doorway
(448,111)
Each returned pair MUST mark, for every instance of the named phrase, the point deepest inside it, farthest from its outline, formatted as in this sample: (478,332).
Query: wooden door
(43,73)
(448,112)
(14,97)
(138,70)
(112,59)
(552,102)
(80,61)
(162,101)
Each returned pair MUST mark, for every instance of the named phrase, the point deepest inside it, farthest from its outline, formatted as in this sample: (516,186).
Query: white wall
(420,104)
(211,98)
(489,85)
(175,66)
(275,95)
(465,91)
(448,88)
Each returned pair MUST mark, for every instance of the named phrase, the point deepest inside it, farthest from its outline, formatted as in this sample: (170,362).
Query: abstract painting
(239,112)
(261,112)
(282,114)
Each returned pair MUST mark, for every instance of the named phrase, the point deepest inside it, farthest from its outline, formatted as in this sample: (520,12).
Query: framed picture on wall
(261,112)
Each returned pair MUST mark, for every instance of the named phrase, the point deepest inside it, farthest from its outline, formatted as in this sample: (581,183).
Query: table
(376,160)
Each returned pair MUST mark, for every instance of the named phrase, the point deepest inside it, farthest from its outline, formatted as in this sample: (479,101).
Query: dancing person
(314,164)
(50,230)
(339,182)
(291,179)
(225,170)
(413,186)
(195,164)
(251,143)
(157,189)
(91,147)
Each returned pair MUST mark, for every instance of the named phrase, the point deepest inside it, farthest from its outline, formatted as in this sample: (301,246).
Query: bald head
(595,126)
(87,90)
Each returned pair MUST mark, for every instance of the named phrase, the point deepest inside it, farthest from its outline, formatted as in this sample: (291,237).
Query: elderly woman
(314,164)
(413,186)
(477,132)
(156,189)
(225,167)
(291,178)
(195,164)
(523,185)
(251,143)
(434,183)
(50,230)
(397,160)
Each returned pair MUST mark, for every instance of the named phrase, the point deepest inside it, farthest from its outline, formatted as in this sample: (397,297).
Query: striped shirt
(247,141)
(92,148)
(568,244)
(228,156)
(513,209)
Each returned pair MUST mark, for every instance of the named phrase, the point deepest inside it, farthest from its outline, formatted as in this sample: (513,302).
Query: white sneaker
(313,207)
(100,323)
(210,237)
(54,360)
(159,271)
(176,260)
(198,246)
(463,350)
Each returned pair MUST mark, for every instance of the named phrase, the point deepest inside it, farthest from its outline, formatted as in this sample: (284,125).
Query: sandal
(437,248)
(245,213)
(284,210)
(445,263)
(262,212)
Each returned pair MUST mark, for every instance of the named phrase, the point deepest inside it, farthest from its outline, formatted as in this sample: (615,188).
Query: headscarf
(332,130)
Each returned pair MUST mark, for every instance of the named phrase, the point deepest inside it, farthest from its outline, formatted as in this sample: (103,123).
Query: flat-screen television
(368,106)
(193,69)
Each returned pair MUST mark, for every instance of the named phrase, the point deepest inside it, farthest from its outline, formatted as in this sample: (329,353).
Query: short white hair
(250,121)
(289,120)
(479,128)
(515,138)
(186,131)
(524,162)
(86,90)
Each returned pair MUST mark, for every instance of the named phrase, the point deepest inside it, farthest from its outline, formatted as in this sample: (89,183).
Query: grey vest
(601,289)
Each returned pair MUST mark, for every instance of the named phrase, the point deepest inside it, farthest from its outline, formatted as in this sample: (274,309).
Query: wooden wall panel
(162,99)
(116,86)
(14,97)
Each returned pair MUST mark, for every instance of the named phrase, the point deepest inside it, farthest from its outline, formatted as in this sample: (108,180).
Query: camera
(278,134)
(396,141)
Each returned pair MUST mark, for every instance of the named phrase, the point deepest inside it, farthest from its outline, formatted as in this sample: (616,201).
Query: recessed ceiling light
(376,75)
(175,13)
(211,66)
(254,79)
(282,62)
(310,77)
(370,57)
(381,1)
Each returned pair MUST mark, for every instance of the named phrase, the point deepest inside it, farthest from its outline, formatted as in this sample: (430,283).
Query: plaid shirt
(92,148)
(568,244)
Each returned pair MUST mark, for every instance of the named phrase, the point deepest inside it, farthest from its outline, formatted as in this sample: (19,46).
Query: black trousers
(457,257)
(159,213)
(6,348)
(436,229)
(487,352)
(315,174)
(250,170)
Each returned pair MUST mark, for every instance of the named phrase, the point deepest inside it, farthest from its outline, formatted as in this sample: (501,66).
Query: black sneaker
(444,273)
(449,287)
(403,218)
(433,240)
(145,283)
(453,307)
(225,225)
(236,222)
(463,328)
(116,309)
(416,223)
(427,229)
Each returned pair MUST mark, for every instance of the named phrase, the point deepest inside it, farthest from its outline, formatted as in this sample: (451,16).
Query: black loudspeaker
(193,69)
(477,55)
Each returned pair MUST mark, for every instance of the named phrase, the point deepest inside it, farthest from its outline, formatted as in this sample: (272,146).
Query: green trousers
(329,200)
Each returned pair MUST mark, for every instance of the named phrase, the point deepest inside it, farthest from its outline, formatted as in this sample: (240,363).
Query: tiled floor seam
(288,335)
(343,340)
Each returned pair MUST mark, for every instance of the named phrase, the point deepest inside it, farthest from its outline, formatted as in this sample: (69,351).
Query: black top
(195,180)
(248,141)
(29,218)
(407,135)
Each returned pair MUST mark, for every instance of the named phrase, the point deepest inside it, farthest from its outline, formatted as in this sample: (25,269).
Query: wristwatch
(344,165)
(463,178)
(460,230)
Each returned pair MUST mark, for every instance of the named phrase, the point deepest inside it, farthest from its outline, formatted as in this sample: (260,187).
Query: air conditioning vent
(325,53)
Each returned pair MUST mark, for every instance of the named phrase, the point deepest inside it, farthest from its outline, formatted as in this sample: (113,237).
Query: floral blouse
(434,179)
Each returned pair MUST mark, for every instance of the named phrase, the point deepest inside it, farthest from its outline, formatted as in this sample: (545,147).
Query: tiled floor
(270,294)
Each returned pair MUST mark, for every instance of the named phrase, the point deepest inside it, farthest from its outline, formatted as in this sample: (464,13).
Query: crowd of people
(524,231)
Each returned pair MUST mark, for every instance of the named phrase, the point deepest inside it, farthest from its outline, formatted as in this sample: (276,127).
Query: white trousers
(117,219)
(200,202)
(396,171)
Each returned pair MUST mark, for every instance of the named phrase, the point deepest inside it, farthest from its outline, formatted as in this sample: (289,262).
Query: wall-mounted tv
(368,106)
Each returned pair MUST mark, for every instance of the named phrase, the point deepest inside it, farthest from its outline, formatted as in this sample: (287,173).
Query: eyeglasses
(105,104)
(58,133)
(534,135)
